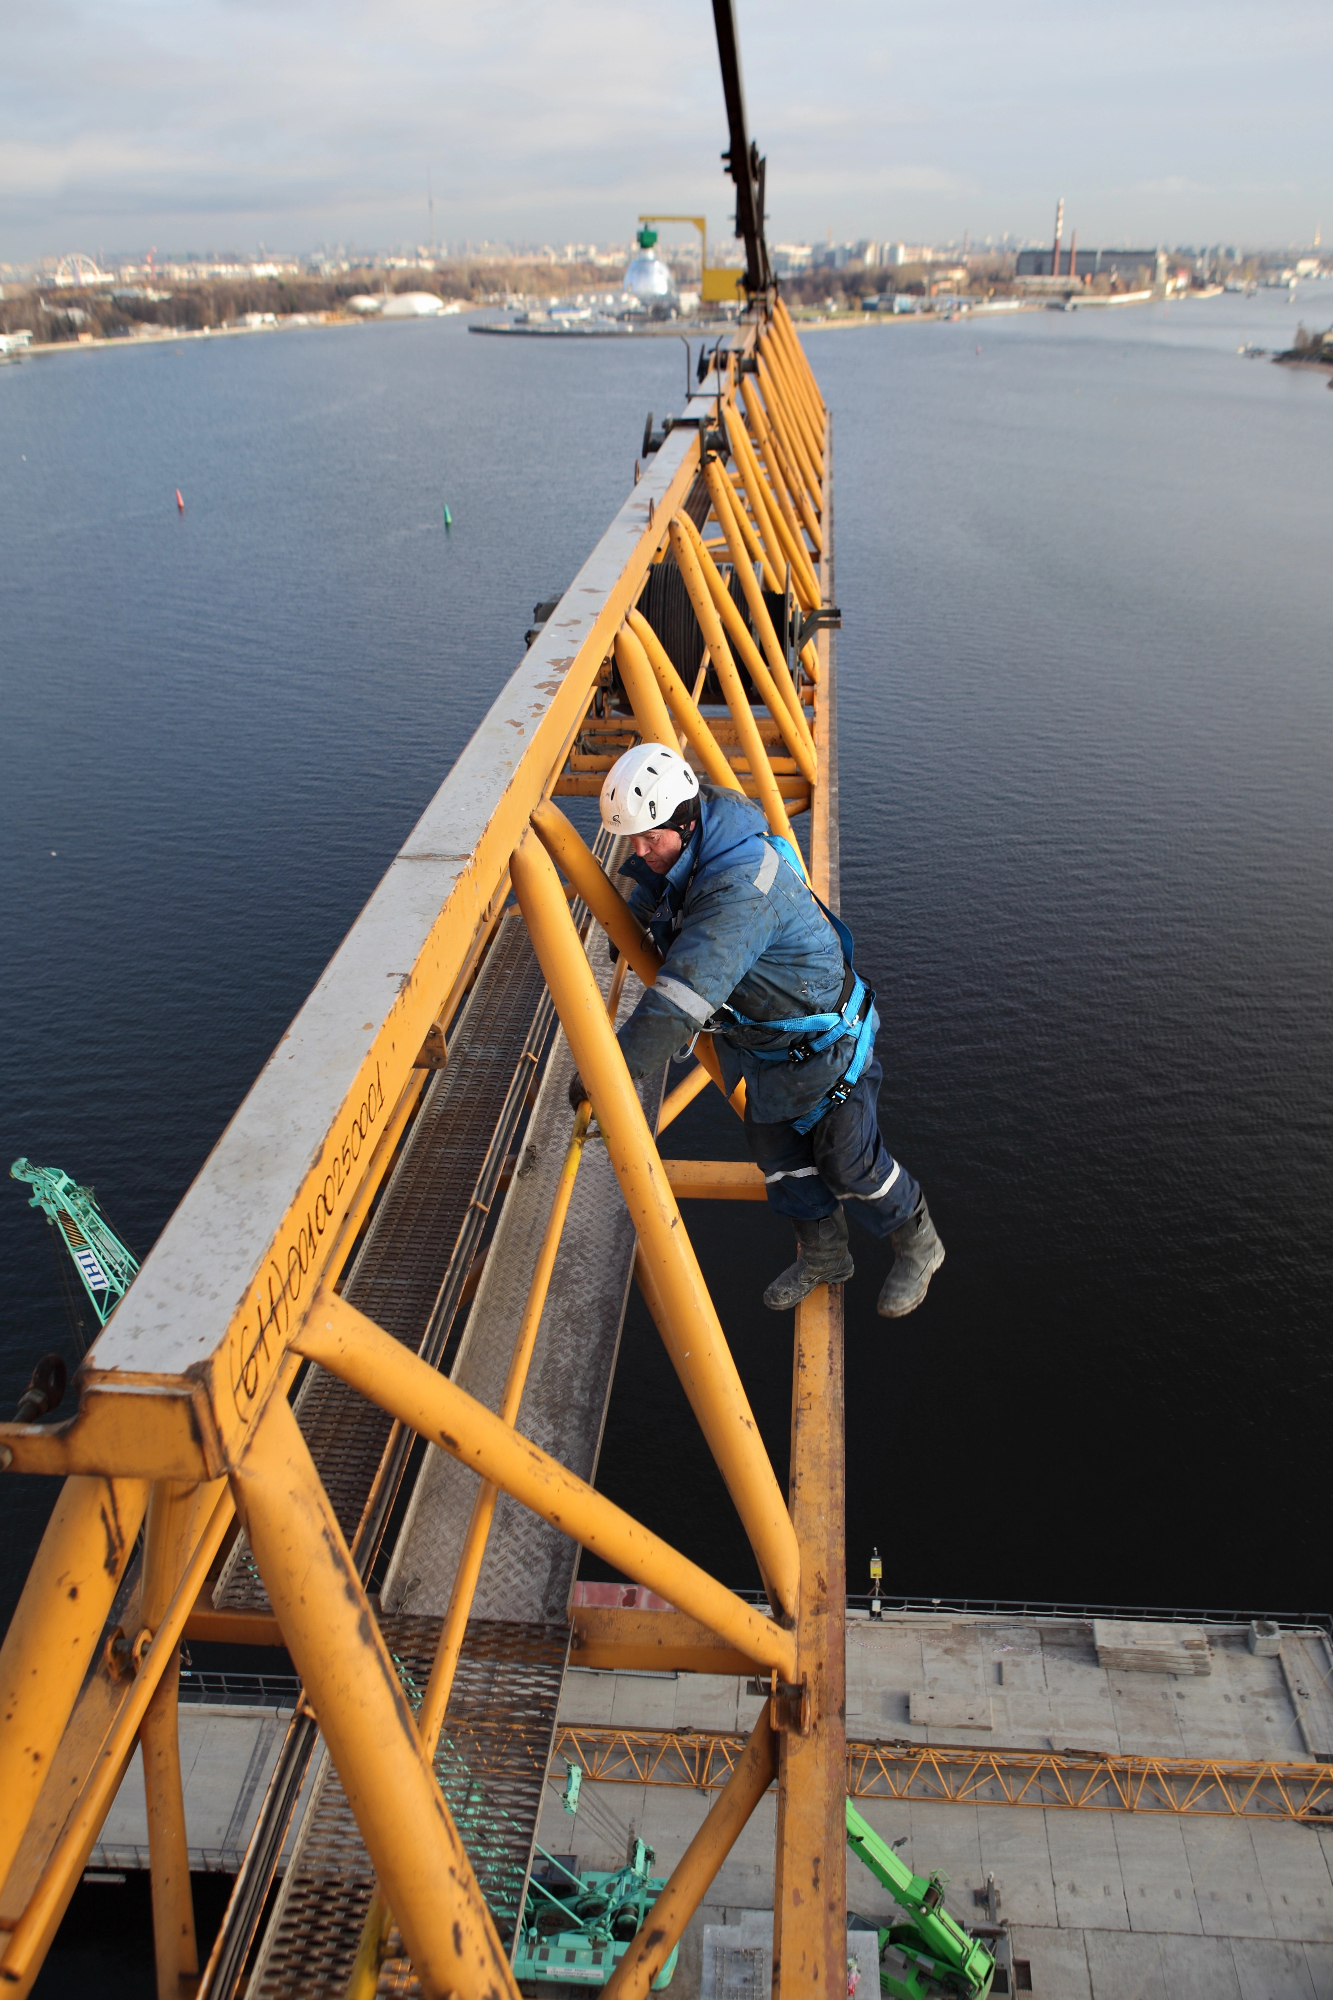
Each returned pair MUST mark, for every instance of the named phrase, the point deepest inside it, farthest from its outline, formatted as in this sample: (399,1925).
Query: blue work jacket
(737,926)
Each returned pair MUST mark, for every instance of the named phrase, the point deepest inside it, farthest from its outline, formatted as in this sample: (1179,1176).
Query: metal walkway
(497,1739)
(491,1763)
(409,1272)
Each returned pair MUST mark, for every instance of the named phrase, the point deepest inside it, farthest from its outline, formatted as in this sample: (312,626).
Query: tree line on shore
(191,305)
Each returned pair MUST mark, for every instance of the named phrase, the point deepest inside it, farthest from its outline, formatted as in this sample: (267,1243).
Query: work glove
(578,1090)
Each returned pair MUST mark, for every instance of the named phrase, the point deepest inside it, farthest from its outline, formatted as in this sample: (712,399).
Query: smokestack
(1059,231)
(1073,255)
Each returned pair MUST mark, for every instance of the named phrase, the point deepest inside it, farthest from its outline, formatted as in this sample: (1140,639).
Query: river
(1086,719)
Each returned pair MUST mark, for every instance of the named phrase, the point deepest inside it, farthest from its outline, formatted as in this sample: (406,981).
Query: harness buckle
(798,1053)
(840,1092)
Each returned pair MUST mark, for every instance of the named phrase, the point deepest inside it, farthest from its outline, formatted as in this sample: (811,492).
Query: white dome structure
(648,280)
(411,305)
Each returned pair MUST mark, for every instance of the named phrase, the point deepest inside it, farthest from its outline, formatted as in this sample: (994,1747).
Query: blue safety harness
(818,1032)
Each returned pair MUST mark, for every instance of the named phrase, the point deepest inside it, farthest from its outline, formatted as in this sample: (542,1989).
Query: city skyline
(790,257)
(222,124)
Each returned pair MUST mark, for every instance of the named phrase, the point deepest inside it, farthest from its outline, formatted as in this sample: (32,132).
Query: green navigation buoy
(448,518)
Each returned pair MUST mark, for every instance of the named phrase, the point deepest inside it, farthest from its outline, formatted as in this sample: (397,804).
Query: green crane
(106,1267)
(935,1954)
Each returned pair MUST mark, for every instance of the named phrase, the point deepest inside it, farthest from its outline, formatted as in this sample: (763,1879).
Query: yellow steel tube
(352,1685)
(430,1717)
(175,1950)
(762,503)
(756,1768)
(753,483)
(387,1373)
(785,546)
(698,1348)
(797,403)
(786,326)
(809,1884)
(725,668)
(744,526)
(777,448)
(684,1094)
(652,1297)
(575,858)
(22,1960)
(683,706)
(803,481)
(567,847)
(759,554)
(32,1935)
(801,416)
(786,420)
(777,336)
(734,626)
(720,492)
(56,1625)
(645,696)
(172,1512)
(801,361)
(785,521)
(784,483)
(460,1603)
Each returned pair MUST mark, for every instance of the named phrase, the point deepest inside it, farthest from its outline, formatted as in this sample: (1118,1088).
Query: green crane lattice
(102,1261)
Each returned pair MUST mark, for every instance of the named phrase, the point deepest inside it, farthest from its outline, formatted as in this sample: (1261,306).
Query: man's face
(661,850)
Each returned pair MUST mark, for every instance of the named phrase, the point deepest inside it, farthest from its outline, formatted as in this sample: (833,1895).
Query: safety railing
(184,1420)
(220,1690)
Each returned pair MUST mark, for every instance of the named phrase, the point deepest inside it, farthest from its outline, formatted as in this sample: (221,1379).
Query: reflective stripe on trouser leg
(843,1158)
(786,1159)
(853,1161)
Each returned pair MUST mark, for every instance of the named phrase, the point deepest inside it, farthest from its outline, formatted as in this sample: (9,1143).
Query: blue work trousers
(841,1159)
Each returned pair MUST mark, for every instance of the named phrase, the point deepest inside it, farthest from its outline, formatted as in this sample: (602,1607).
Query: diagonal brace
(371,1361)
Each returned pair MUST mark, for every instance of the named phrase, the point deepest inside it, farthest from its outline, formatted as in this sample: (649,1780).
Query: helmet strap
(684,817)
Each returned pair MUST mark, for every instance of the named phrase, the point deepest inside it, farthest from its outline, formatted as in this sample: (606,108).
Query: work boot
(822,1258)
(918,1254)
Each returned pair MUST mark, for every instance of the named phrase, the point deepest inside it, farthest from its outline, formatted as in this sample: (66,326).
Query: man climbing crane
(755,959)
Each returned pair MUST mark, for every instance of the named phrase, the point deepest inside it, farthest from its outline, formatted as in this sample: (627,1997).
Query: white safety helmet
(643,789)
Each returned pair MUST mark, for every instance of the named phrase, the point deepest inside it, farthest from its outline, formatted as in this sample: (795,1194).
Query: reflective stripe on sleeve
(768,869)
(797,1174)
(683,996)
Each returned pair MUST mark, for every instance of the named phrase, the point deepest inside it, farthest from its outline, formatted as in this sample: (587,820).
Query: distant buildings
(1130,266)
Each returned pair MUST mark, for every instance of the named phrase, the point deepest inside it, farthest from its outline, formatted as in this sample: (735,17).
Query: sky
(215,125)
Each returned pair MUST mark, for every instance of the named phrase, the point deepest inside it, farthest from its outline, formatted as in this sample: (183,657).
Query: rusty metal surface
(810,1895)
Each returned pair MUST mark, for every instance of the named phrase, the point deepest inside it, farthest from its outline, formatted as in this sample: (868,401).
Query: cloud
(297,121)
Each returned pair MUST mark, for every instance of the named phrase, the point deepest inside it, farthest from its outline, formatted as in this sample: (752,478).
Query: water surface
(1086,712)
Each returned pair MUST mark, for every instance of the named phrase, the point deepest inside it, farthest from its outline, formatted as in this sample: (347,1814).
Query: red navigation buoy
(179,502)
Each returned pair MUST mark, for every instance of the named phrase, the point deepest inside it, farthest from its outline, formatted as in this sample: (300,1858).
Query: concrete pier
(1088,1904)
